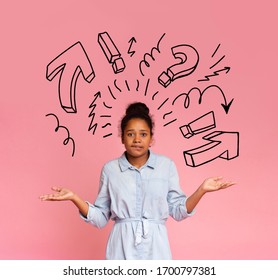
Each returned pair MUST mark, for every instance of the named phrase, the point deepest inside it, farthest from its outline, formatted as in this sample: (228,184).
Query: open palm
(215,184)
(59,194)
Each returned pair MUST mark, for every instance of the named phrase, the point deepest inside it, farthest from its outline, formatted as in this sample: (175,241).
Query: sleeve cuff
(86,219)
(186,211)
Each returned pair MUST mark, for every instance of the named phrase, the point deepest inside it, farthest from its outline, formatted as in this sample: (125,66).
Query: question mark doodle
(189,59)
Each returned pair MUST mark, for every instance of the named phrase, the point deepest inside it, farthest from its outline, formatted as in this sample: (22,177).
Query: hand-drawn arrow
(131,41)
(97,95)
(215,73)
(92,113)
(226,106)
(70,64)
(221,144)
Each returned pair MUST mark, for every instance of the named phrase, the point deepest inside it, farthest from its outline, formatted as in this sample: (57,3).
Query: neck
(137,161)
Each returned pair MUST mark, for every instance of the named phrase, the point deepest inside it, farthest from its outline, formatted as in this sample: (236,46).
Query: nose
(137,138)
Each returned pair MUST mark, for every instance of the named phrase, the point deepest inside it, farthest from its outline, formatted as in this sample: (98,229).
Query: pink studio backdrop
(59,129)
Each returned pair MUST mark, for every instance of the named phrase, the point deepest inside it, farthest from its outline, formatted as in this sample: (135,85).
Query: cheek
(125,141)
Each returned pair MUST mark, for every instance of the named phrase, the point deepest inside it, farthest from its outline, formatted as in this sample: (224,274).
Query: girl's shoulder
(162,160)
(162,157)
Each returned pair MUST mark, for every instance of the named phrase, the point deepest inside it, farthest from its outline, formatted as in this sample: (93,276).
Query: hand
(215,184)
(59,195)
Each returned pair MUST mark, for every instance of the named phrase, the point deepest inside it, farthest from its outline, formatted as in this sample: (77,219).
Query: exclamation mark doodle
(111,52)
(200,125)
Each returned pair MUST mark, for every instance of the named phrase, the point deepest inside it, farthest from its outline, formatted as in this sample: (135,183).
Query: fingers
(56,189)
(224,185)
(219,183)
(218,178)
(49,197)
(55,196)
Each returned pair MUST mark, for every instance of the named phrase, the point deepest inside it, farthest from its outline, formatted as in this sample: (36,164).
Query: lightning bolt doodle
(216,73)
(131,41)
(93,126)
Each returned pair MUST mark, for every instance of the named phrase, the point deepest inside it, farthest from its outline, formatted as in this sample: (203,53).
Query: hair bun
(137,108)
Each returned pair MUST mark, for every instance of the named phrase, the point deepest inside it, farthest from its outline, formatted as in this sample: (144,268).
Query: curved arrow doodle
(220,144)
(226,106)
(66,141)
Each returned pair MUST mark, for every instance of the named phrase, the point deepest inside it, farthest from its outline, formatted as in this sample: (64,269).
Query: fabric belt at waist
(142,227)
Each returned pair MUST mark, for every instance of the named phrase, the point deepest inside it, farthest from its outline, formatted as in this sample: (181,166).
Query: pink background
(239,223)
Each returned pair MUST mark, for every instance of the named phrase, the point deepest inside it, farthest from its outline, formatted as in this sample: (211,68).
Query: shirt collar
(124,163)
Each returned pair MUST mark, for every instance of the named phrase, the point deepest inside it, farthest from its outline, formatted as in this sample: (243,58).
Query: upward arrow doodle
(220,144)
(70,64)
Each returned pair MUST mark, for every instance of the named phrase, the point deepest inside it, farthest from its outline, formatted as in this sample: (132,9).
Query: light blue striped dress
(139,201)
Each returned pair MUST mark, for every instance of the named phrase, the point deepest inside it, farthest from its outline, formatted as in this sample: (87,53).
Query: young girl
(138,191)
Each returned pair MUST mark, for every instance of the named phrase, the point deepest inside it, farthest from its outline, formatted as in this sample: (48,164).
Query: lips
(137,147)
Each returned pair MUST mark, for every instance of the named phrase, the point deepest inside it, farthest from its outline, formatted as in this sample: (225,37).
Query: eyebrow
(142,130)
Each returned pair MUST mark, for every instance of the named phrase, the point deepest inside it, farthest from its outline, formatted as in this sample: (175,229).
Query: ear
(151,142)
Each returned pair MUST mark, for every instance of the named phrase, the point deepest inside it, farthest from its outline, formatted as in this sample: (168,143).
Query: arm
(63,194)
(209,185)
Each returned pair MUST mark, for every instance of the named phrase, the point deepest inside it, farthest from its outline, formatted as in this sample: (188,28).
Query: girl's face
(137,139)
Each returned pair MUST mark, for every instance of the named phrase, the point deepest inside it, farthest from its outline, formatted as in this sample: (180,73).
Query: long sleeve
(99,212)
(176,197)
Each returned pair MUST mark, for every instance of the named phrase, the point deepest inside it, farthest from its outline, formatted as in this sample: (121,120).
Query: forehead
(137,124)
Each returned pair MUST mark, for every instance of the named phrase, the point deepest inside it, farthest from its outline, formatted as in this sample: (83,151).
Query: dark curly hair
(137,110)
